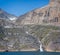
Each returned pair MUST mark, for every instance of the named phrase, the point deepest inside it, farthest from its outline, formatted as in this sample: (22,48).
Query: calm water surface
(30,53)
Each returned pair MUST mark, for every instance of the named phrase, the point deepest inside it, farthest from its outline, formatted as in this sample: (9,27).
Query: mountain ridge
(42,15)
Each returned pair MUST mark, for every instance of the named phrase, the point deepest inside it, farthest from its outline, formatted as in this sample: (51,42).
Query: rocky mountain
(6,18)
(17,35)
(49,14)
(5,15)
(52,41)
(14,37)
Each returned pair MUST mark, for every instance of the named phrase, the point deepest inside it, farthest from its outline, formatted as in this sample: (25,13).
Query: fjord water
(30,53)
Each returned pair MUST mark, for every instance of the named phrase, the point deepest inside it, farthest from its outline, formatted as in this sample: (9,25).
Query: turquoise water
(29,53)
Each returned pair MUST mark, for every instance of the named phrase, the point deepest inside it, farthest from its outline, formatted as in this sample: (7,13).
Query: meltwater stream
(41,47)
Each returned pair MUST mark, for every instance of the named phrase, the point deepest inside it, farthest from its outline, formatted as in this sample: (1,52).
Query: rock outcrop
(50,14)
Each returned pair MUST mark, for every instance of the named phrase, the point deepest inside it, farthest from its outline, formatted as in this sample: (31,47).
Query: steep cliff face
(48,14)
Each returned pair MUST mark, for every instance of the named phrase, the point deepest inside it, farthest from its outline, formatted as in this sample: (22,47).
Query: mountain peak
(47,15)
(6,15)
(54,1)
(1,9)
